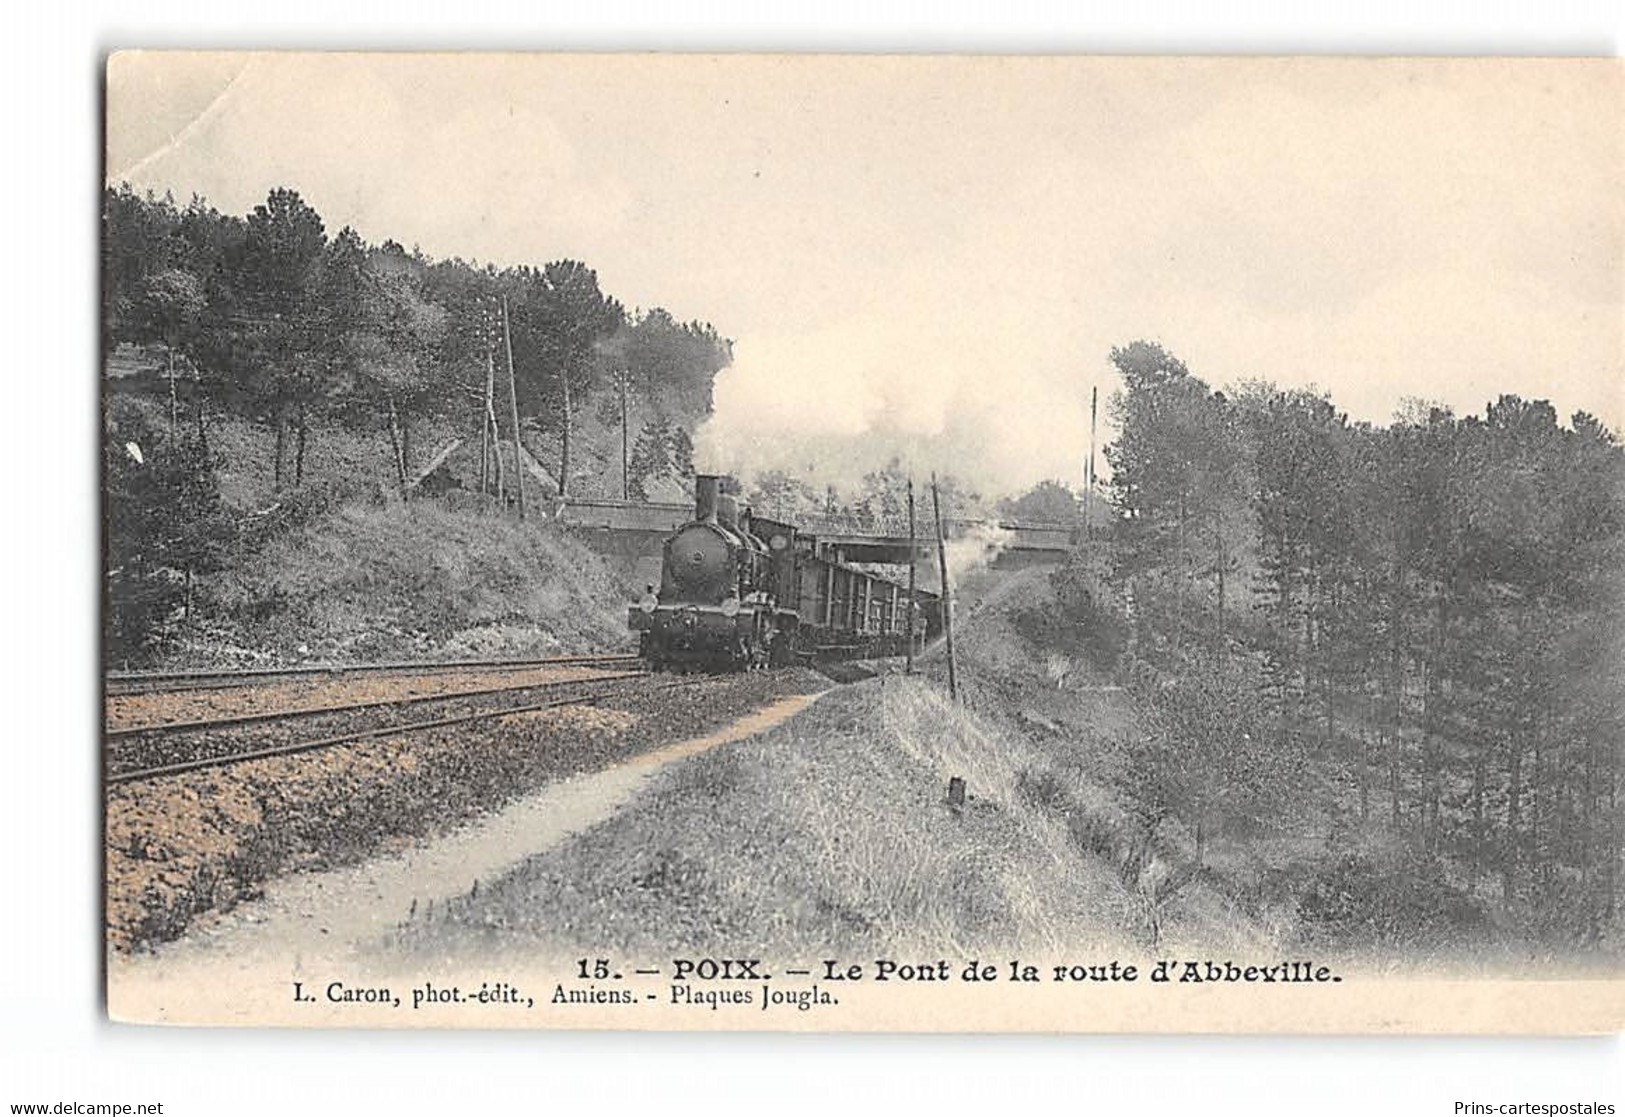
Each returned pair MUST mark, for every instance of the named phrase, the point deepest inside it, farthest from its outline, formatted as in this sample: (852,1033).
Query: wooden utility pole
(487,417)
(513,412)
(396,446)
(489,333)
(947,594)
(564,443)
(908,665)
(626,458)
(1089,492)
(1094,400)
(174,404)
(202,426)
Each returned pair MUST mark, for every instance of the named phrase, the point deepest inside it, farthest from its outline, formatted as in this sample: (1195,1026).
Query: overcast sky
(934,256)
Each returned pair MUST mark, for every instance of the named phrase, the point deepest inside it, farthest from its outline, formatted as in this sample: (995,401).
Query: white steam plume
(976,550)
(832,405)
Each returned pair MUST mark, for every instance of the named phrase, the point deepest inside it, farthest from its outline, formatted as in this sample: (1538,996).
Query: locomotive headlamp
(730,606)
(648,602)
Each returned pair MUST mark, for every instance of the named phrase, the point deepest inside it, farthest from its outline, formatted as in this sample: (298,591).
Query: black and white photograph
(755,542)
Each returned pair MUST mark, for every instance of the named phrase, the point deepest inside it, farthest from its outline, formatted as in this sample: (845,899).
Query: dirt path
(338,918)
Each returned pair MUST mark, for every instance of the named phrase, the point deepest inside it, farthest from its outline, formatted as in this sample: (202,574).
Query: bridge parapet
(625,515)
(862,539)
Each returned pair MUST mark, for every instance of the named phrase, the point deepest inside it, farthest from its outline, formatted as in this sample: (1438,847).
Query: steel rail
(234,720)
(162,770)
(139,682)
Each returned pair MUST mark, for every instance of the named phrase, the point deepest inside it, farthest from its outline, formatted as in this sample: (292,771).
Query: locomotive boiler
(739,591)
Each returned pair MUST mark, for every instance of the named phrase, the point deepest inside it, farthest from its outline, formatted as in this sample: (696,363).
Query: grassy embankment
(342,570)
(833,832)
(429,579)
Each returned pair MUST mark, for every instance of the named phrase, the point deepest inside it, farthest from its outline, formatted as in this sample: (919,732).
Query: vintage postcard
(864,543)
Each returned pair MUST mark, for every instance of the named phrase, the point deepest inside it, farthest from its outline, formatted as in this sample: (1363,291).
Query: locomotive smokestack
(707,486)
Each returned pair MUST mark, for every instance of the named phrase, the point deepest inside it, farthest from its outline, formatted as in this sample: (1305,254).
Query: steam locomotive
(739,592)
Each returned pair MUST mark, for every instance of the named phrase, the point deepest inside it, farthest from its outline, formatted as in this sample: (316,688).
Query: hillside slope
(341,569)
(834,832)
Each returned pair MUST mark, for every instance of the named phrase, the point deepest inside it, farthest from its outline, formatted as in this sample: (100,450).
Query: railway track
(179,747)
(121,683)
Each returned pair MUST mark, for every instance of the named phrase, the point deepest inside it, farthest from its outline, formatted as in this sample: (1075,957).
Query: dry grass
(341,569)
(420,579)
(831,832)
(1070,726)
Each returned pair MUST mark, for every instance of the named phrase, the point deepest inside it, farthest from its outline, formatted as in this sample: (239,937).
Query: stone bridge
(636,529)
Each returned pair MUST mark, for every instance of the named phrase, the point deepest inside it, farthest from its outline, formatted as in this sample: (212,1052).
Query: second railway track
(127,683)
(158,749)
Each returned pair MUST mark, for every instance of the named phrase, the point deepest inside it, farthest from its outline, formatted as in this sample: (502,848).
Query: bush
(1387,897)
(1080,623)
(1042,790)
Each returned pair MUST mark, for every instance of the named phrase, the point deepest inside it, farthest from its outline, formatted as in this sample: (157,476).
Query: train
(740,592)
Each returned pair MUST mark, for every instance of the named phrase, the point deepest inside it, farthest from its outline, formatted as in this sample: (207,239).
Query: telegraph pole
(1089,492)
(174,406)
(947,596)
(485,421)
(626,458)
(513,405)
(908,665)
(1094,400)
(197,390)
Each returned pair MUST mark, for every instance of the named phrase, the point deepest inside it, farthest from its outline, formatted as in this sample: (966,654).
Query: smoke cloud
(975,551)
(829,407)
